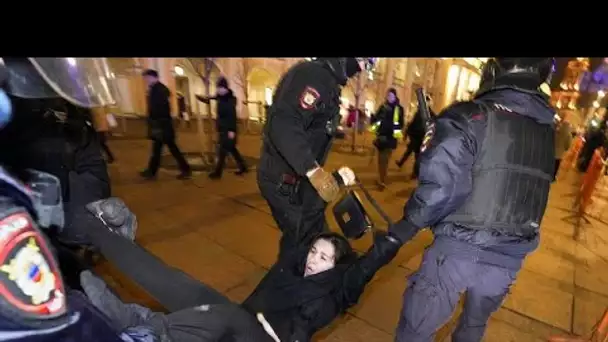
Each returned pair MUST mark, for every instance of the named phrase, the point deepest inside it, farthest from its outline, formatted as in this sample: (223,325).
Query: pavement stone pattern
(221,232)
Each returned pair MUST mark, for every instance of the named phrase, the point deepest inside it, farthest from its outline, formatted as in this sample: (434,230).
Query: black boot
(148,175)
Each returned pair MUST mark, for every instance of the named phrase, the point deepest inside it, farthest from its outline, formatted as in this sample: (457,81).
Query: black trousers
(227,146)
(298,210)
(198,312)
(157,148)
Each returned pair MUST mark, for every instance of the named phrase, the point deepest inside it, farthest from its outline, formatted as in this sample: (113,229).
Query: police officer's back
(485,172)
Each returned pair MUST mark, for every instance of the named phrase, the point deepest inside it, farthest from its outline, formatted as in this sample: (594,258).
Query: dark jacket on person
(385,115)
(226,112)
(160,123)
(296,307)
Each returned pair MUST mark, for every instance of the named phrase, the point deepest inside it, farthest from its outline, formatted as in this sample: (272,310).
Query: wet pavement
(221,233)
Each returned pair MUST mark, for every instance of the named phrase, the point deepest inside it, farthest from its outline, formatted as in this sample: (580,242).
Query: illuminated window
(463,82)
(451,85)
(473,82)
(268,95)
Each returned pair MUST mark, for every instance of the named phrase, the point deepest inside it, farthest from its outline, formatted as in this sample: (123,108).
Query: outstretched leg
(171,287)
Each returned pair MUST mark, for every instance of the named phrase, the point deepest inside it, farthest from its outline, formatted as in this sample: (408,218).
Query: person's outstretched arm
(362,271)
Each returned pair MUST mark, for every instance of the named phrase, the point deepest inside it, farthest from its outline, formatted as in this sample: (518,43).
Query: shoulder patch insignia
(428,136)
(30,280)
(309,98)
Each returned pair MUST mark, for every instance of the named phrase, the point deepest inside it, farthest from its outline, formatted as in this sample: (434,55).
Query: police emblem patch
(428,136)
(309,98)
(29,277)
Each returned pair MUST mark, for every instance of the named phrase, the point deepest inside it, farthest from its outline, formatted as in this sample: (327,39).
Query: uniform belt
(477,254)
(290,179)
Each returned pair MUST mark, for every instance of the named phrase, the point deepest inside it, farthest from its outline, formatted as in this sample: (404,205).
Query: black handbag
(352,217)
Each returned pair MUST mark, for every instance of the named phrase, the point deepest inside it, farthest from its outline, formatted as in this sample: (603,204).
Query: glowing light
(596,104)
(179,70)
(268,95)
(71,61)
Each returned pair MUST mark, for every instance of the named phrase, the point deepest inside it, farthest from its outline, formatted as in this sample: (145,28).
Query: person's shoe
(380,185)
(241,172)
(215,175)
(399,165)
(184,175)
(146,174)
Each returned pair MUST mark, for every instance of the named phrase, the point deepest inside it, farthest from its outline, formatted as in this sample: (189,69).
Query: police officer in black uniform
(485,173)
(35,304)
(297,137)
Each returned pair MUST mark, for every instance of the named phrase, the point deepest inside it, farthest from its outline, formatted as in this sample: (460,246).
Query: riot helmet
(346,67)
(84,82)
(540,68)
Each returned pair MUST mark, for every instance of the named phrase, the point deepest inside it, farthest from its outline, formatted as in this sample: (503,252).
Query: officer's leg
(313,216)
(432,295)
(154,162)
(483,297)
(286,211)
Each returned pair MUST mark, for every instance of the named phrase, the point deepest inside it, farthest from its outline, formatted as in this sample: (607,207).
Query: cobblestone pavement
(221,232)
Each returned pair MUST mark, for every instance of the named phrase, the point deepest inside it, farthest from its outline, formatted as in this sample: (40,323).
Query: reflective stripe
(397,133)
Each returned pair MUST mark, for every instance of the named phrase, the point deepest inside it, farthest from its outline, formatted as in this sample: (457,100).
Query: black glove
(115,215)
(403,230)
(386,246)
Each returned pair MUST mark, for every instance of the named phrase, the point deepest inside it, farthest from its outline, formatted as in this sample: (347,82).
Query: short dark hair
(342,248)
(392,90)
(150,72)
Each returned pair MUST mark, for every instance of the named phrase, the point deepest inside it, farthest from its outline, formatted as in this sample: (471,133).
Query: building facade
(254,79)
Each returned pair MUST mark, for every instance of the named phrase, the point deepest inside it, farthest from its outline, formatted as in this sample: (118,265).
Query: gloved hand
(325,183)
(115,215)
(386,245)
(403,230)
(328,184)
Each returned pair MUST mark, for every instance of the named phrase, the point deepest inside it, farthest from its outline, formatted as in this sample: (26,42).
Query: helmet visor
(85,82)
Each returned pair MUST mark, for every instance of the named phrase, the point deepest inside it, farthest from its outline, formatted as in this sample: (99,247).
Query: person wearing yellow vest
(387,124)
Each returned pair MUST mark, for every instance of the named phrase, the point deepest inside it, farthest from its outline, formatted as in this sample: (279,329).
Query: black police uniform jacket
(81,321)
(296,307)
(296,134)
(485,170)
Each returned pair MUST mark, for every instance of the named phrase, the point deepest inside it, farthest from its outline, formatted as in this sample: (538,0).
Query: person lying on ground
(304,291)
